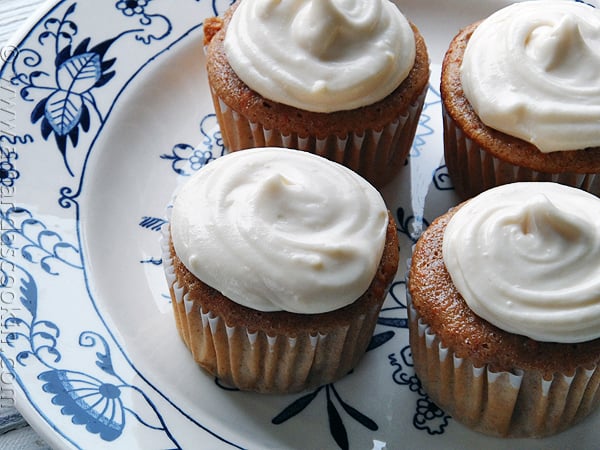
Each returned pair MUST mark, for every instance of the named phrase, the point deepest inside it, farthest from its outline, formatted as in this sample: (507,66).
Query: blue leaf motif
(29,225)
(355,413)
(63,110)
(80,73)
(26,252)
(22,357)
(336,425)
(70,10)
(12,337)
(67,253)
(36,242)
(379,339)
(29,295)
(47,267)
(13,322)
(51,326)
(44,335)
(50,351)
(79,70)
(48,238)
(295,408)
(104,362)
(63,55)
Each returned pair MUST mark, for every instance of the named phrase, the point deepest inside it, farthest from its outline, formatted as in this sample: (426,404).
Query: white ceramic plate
(105,109)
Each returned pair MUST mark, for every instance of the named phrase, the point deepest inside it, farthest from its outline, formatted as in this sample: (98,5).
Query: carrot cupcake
(505,309)
(278,262)
(345,82)
(521,98)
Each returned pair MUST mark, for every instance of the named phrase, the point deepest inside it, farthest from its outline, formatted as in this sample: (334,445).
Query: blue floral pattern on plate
(85,175)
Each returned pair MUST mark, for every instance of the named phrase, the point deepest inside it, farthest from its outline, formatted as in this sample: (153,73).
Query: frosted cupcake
(344,80)
(278,262)
(521,98)
(505,309)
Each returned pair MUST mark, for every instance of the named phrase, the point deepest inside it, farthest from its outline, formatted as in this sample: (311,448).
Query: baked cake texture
(494,381)
(278,262)
(479,157)
(373,140)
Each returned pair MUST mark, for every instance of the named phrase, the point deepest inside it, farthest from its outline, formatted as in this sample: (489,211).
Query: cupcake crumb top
(321,55)
(277,229)
(524,256)
(530,70)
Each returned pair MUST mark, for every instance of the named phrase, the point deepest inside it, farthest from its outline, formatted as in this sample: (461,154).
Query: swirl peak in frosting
(526,258)
(276,229)
(320,55)
(531,71)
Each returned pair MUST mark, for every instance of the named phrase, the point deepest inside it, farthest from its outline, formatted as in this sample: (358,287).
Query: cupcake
(278,262)
(521,98)
(504,294)
(344,81)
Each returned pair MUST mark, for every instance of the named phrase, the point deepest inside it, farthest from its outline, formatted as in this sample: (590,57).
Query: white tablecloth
(15,433)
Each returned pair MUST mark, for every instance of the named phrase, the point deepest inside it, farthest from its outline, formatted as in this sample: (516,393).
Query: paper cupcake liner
(251,359)
(506,404)
(474,170)
(377,155)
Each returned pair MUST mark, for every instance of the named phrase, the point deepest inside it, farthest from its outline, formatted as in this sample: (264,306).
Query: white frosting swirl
(277,229)
(526,257)
(531,71)
(320,55)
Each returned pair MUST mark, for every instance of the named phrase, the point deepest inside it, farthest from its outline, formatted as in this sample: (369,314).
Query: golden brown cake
(494,381)
(276,352)
(280,349)
(373,140)
(479,157)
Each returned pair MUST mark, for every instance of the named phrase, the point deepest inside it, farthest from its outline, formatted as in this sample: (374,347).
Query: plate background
(87,332)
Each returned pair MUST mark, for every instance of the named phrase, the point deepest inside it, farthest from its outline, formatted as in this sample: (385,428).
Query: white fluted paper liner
(508,404)
(474,170)
(251,359)
(377,155)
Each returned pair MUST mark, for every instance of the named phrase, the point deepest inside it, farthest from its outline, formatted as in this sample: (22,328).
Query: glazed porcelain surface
(107,112)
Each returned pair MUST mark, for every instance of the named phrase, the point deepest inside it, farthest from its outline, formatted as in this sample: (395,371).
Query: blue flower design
(132,7)
(67,108)
(337,428)
(90,401)
(65,111)
(428,417)
(187,159)
(428,412)
(69,105)
(199,159)
(156,26)
(336,425)
(8,174)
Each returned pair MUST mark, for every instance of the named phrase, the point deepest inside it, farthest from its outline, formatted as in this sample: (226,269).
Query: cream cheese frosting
(526,258)
(531,71)
(277,229)
(320,55)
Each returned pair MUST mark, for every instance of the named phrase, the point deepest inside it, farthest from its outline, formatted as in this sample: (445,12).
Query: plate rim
(46,428)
